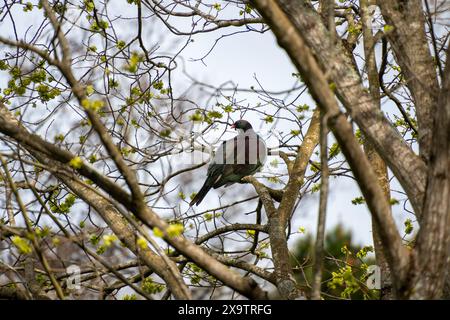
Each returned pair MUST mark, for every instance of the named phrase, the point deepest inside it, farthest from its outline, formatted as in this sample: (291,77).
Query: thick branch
(320,235)
(377,163)
(404,163)
(246,286)
(412,53)
(285,281)
(433,240)
(301,55)
(297,172)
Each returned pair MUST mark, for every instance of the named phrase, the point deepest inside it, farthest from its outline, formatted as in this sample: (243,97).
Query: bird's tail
(201,194)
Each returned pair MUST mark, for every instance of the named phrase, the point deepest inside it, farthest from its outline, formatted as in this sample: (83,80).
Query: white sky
(239,58)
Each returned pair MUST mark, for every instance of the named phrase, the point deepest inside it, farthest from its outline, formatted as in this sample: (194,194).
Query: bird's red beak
(233,126)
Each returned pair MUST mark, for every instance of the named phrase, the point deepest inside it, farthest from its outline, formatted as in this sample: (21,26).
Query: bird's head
(241,125)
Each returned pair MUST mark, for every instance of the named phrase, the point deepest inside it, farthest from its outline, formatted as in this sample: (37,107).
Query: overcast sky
(240,58)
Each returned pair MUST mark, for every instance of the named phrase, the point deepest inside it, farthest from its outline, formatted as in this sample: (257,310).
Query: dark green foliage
(344,267)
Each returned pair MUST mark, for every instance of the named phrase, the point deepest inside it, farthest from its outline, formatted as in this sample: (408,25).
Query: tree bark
(375,160)
(409,168)
(33,143)
(291,39)
(433,240)
(412,53)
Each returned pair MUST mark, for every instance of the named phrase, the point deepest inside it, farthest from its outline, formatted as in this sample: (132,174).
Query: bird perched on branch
(236,158)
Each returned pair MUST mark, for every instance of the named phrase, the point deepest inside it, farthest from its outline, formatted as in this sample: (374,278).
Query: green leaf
(268,119)
(215,114)
(358,200)
(23,245)
(165,133)
(158,232)
(120,44)
(3,65)
(133,63)
(89,5)
(393,201)
(196,117)
(334,150)
(76,163)
(332,86)
(63,207)
(142,243)
(94,105)
(28,7)
(38,76)
(158,85)
(302,108)
(228,108)
(175,229)
(94,239)
(109,239)
(408,226)
(388,28)
(15,72)
(274,163)
(89,90)
(362,253)
(149,286)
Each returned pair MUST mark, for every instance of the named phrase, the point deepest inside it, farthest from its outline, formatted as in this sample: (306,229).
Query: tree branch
(404,163)
(293,42)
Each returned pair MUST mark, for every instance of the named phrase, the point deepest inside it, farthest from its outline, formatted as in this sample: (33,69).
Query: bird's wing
(234,159)
(224,153)
(248,148)
(260,148)
(238,157)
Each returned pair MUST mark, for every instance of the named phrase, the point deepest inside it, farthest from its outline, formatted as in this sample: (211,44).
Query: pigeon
(234,159)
